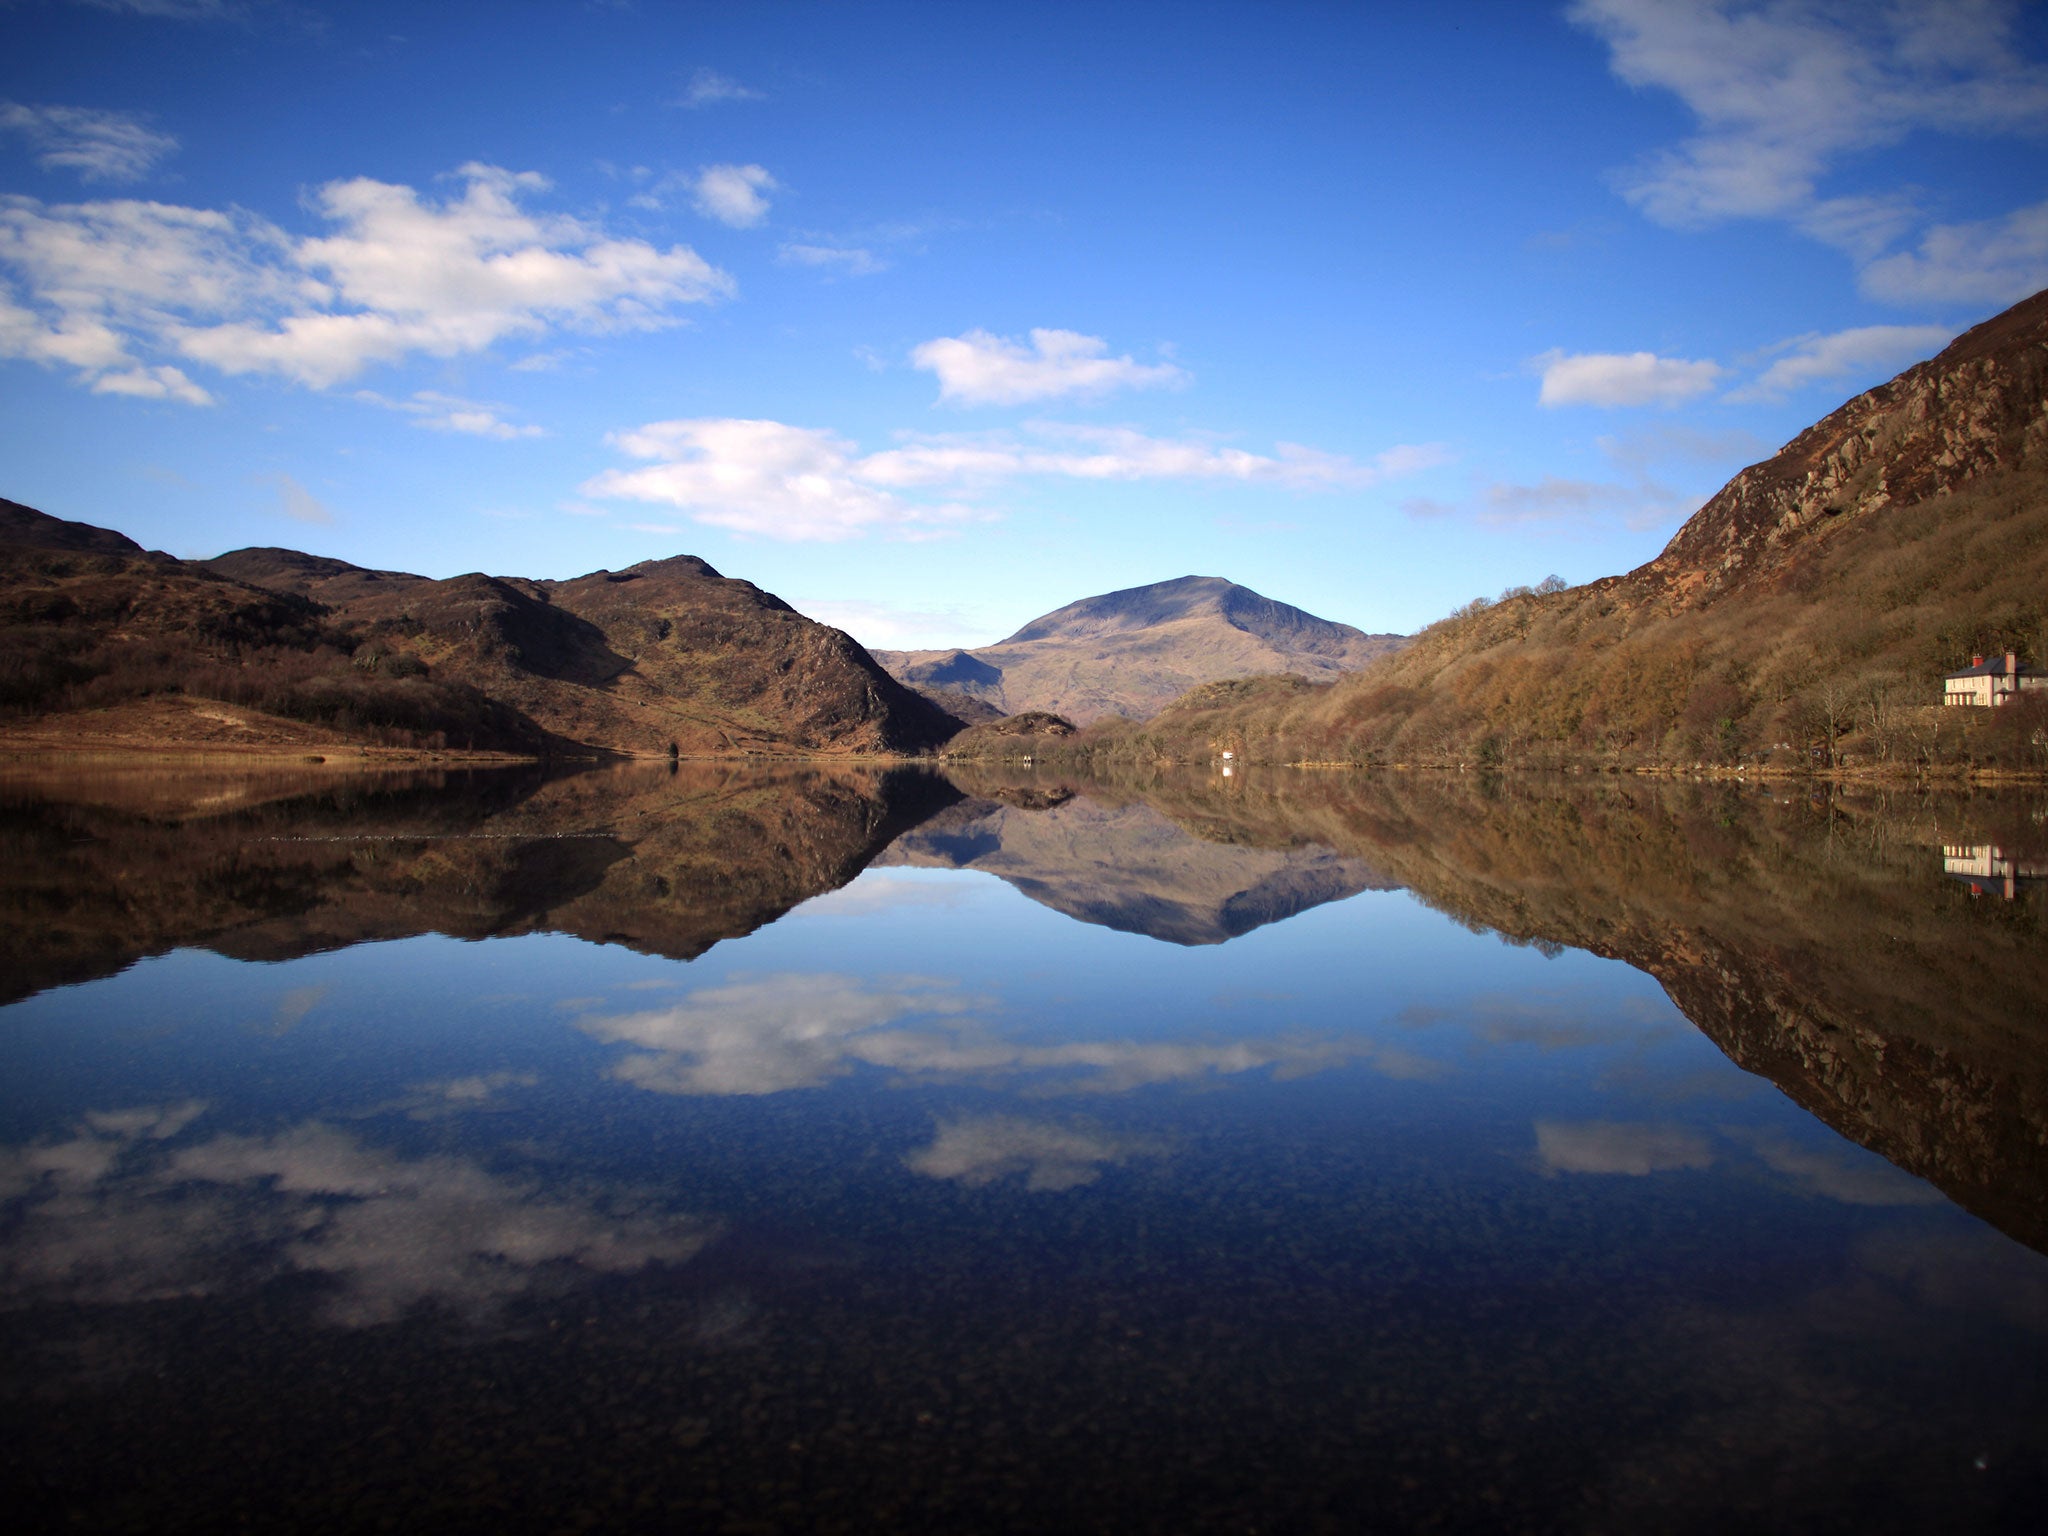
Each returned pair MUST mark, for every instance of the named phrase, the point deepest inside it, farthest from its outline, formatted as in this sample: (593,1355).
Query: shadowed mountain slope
(666,653)
(1132,652)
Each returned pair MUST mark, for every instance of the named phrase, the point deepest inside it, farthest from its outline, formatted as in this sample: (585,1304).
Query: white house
(1997,681)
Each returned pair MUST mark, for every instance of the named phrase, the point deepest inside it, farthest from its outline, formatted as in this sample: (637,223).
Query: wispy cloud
(450,413)
(1638,498)
(397,275)
(801,483)
(849,261)
(1993,261)
(98,145)
(1814,358)
(708,88)
(979,368)
(1784,90)
(300,504)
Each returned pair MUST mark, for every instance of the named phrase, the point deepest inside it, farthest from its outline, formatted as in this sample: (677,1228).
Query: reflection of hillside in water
(1815,938)
(1827,943)
(96,873)
(1117,862)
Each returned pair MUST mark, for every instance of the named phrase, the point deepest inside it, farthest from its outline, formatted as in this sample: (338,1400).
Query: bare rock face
(1134,652)
(1979,407)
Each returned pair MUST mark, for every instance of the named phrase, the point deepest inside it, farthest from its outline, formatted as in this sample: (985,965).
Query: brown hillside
(1807,613)
(668,653)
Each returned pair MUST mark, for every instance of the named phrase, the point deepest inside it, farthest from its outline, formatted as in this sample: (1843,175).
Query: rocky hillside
(668,652)
(1132,652)
(1805,615)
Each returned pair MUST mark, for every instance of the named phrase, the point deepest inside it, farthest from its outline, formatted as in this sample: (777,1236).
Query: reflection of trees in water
(1811,934)
(663,859)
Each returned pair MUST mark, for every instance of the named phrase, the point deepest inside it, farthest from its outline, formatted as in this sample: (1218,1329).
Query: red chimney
(2012,663)
(1976,661)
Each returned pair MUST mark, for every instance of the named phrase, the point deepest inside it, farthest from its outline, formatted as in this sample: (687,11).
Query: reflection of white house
(1987,867)
(1997,681)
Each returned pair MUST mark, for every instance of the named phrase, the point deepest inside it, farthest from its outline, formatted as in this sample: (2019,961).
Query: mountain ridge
(1133,651)
(1804,617)
(667,655)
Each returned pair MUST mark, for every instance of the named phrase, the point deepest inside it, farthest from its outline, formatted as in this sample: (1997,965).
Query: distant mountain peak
(1132,652)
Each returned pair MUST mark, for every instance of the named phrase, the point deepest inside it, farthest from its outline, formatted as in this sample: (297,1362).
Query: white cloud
(758,477)
(1843,1173)
(979,1149)
(983,369)
(1622,378)
(802,483)
(764,1034)
(1811,359)
(98,145)
(398,275)
(731,194)
(853,261)
(1606,1146)
(1784,90)
(708,87)
(1995,261)
(162,382)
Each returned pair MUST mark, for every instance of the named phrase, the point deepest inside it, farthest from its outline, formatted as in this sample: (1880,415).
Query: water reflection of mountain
(1815,938)
(97,872)
(1119,863)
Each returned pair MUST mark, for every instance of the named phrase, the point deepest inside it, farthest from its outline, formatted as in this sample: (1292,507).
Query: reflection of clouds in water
(980,1149)
(109,1218)
(1843,1173)
(1980,1273)
(1614,1146)
(293,1007)
(769,1034)
(1555,1020)
(451,1096)
(763,1034)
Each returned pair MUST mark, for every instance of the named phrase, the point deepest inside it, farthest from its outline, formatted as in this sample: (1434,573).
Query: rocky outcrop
(1979,407)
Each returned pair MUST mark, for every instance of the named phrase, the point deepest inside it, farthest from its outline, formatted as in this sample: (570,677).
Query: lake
(801,1148)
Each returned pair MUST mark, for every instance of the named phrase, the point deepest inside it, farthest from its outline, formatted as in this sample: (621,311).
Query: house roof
(1994,666)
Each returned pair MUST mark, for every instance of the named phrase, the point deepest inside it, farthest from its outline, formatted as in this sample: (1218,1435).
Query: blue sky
(930,318)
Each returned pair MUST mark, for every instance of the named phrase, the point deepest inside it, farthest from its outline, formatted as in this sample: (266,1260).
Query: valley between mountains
(1803,618)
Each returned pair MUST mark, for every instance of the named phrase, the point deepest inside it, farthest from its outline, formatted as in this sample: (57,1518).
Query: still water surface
(852,1151)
